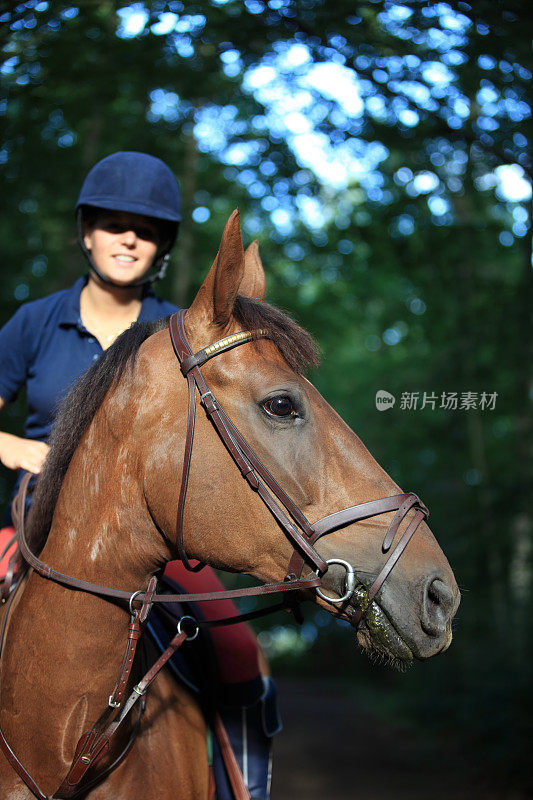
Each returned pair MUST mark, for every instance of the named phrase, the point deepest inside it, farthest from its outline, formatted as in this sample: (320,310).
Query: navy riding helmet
(139,184)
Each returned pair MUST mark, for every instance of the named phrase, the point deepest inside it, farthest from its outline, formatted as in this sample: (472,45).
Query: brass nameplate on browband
(236,338)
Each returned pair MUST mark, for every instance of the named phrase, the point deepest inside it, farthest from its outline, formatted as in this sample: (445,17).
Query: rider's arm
(15,358)
(19,453)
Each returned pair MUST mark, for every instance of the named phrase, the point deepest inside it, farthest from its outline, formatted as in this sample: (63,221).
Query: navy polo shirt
(46,347)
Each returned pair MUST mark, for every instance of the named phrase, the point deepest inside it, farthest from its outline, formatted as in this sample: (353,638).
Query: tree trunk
(182,275)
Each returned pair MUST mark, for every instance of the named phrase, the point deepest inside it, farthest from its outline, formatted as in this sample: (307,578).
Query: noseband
(300,532)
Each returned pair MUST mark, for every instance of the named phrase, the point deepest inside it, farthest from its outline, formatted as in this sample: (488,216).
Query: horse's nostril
(437,606)
(433,595)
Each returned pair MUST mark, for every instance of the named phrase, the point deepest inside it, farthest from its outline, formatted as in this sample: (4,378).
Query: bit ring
(132,598)
(190,637)
(349,582)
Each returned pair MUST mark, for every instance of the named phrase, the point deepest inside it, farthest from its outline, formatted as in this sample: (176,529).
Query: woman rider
(128,215)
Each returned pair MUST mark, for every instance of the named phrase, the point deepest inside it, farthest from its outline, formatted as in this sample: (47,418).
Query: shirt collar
(71,309)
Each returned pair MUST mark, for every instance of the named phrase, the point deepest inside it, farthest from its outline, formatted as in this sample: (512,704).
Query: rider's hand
(17,453)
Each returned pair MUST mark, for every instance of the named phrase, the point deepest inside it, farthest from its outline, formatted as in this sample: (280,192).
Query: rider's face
(123,245)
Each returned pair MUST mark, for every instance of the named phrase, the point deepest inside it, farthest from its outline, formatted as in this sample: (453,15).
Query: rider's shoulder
(58,306)
(49,301)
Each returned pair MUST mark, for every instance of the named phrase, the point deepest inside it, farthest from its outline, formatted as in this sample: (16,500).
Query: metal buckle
(193,636)
(349,582)
(132,598)
(207,394)
(112,703)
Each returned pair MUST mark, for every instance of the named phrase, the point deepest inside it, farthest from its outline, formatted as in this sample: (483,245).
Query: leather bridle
(301,533)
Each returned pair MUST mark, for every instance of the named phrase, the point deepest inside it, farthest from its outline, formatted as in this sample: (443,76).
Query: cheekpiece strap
(251,467)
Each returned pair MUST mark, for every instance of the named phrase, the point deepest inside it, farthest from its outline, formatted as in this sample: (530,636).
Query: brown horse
(114,523)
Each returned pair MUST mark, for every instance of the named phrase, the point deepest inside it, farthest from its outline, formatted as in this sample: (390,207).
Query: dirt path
(332,749)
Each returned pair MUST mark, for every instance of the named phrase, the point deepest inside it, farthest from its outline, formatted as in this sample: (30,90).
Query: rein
(301,533)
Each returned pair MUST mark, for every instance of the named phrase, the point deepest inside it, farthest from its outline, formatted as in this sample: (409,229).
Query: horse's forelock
(295,344)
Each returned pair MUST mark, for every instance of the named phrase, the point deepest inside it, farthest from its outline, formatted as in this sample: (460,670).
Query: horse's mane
(74,414)
(78,408)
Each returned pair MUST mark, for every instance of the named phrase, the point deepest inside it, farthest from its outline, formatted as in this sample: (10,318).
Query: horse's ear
(253,282)
(215,299)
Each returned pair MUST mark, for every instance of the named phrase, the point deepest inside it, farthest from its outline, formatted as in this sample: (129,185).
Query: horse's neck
(101,532)
(102,529)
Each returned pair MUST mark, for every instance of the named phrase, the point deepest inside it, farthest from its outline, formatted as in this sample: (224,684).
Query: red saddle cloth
(5,535)
(235,645)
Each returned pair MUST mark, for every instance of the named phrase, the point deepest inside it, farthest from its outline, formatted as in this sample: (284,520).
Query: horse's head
(320,463)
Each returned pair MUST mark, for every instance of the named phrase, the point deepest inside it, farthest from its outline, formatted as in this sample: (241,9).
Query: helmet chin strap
(160,263)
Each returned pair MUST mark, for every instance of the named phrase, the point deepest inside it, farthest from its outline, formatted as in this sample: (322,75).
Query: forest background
(379,151)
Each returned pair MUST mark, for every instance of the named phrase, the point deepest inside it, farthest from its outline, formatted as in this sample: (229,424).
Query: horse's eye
(280,406)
